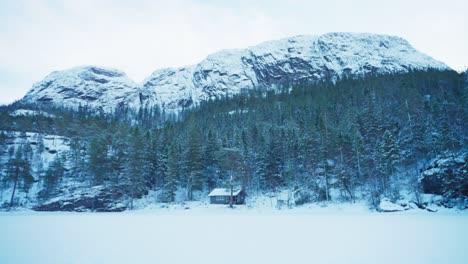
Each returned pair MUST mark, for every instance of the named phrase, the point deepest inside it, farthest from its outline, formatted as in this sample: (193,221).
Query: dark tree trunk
(14,186)
(349,192)
(231,201)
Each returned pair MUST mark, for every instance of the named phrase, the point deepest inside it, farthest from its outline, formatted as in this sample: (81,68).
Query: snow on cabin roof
(224,192)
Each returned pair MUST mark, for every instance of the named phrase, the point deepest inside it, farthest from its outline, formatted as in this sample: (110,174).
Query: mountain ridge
(229,72)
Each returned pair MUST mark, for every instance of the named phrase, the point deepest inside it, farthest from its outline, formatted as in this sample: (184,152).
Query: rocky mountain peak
(229,72)
(98,87)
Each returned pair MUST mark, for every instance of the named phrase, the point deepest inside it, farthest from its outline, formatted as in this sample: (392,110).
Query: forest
(339,140)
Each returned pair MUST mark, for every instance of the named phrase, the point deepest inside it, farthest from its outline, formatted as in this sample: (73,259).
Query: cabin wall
(226,199)
(219,199)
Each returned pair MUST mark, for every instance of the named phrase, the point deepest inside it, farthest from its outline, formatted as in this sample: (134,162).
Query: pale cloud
(37,37)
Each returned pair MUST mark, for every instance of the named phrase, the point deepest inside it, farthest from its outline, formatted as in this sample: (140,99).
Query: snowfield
(216,234)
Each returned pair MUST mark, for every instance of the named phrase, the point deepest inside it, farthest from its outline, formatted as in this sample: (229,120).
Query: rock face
(71,193)
(96,87)
(270,63)
(98,199)
(232,71)
(447,176)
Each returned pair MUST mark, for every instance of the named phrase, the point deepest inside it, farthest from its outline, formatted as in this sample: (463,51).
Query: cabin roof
(224,192)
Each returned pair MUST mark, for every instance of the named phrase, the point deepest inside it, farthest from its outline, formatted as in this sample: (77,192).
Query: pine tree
(162,160)
(193,164)
(273,164)
(77,157)
(52,177)
(153,173)
(98,157)
(135,166)
(18,172)
(172,176)
(358,152)
(209,160)
(388,156)
(118,155)
(323,167)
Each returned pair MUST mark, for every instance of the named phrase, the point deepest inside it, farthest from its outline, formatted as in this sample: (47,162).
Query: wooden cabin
(223,196)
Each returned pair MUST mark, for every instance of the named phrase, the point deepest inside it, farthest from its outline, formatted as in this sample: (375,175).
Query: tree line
(356,136)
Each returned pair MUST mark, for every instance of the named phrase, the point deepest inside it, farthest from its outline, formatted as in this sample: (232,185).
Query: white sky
(138,37)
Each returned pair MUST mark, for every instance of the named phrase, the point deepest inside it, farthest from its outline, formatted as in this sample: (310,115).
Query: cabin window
(219,198)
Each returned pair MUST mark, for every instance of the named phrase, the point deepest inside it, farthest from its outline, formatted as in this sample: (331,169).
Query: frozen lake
(233,237)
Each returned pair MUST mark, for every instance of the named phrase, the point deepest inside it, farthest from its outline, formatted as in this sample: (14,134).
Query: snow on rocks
(447,175)
(274,62)
(52,145)
(27,112)
(230,72)
(97,87)
(44,149)
(387,206)
(82,199)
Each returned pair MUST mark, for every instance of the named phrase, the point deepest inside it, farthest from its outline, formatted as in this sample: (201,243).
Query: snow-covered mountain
(96,87)
(229,72)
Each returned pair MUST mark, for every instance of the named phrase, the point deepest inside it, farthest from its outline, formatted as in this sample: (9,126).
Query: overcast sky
(138,37)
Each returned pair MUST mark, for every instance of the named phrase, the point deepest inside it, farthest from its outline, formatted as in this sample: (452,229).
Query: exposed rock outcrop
(98,199)
(230,72)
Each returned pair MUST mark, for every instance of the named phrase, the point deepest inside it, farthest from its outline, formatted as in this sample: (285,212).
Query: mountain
(229,72)
(96,87)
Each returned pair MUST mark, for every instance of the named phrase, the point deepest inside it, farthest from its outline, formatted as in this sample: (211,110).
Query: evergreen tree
(388,156)
(209,160)
(193,164)
(52,177)
(358,152)
(135,166)
(162,161)
(118,156)
(273,164)
(172,176)
(98,159)
(153,172)
(18,172)
(78,157)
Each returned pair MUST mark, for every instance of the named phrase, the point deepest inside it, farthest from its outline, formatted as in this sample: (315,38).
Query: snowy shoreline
(199,208)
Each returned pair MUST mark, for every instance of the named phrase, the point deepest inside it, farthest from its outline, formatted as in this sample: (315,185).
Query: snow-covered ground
(216,234)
